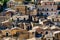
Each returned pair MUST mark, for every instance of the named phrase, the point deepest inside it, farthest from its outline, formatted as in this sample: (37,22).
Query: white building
(54,18)
(48,9)
(49,36)
(41,21)
(21,17)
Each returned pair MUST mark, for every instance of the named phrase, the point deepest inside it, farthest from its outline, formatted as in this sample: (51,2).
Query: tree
(3,1)
(3,4)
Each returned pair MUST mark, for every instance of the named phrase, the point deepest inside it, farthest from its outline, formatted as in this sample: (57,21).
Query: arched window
(7,34)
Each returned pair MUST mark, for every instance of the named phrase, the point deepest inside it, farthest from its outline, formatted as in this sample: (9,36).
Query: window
(41,14)
(48,39)
(58,20)
(52,19)
(24,19)
(55,13)
(54,3)
(58,8)
(43,9)
(47,13)
(50,3)
(46,32)
(38,9)
(45,4)
(51,9)
(47,9)
(7,34)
